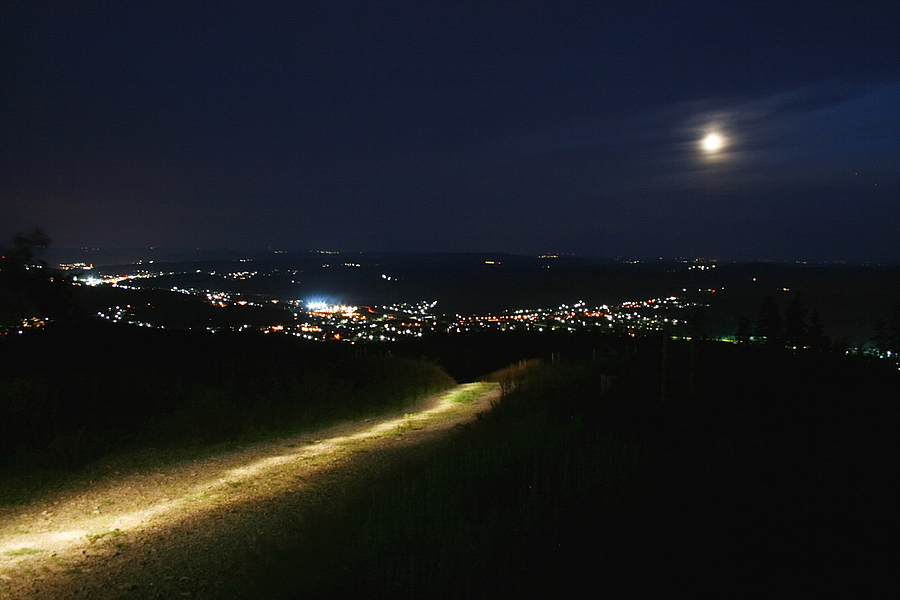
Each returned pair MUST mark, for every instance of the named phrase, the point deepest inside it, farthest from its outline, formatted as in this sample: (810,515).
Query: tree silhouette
(27,288)
(744,330)
(769,325)
(894,332)
(887,334)
(795,323)
(815,333)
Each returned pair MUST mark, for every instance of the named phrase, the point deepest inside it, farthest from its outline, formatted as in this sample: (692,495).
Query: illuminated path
(186,529)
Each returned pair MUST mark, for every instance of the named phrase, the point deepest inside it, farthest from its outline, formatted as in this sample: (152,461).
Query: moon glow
(713,142)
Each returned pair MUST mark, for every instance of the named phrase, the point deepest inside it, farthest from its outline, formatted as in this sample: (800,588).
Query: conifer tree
(27,288)
(887,334)
(893,332)
(769,325)
(795,329)
(744,330)
(815,333)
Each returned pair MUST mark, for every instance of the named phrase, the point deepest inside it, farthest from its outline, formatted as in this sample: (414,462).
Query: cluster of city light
(240,274)
(324,309)
(654,303)
(116,314)
(347,323)
(116,280)
(105,279)
(125,314)
(326,319)
(423,307)
(24,324)
(322,320)
(628,315)
(220,299)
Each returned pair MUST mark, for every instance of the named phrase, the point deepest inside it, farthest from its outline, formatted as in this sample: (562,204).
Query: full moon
(713,142)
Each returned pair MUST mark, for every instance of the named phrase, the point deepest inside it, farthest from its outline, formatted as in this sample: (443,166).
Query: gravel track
(188,529)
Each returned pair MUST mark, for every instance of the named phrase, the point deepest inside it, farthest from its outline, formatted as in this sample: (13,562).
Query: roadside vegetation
(73,393)
(708,468)
(645,465)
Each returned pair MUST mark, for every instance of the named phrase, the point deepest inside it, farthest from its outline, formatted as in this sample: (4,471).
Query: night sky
(522,127)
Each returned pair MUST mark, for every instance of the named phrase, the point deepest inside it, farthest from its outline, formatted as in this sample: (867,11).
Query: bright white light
(713,142)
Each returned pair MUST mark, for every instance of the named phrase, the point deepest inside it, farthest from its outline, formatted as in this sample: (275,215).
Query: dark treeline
(702,469)
(798,327)
(28,289)
(887,336)
(73,392)
(473,355)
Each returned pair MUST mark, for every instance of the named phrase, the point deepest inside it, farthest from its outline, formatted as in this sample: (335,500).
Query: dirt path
(186,530)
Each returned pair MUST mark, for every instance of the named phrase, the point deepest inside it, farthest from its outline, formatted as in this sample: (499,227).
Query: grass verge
(591,471)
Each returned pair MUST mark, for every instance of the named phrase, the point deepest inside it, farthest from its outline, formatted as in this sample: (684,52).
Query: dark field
(645,464)
(705,470)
